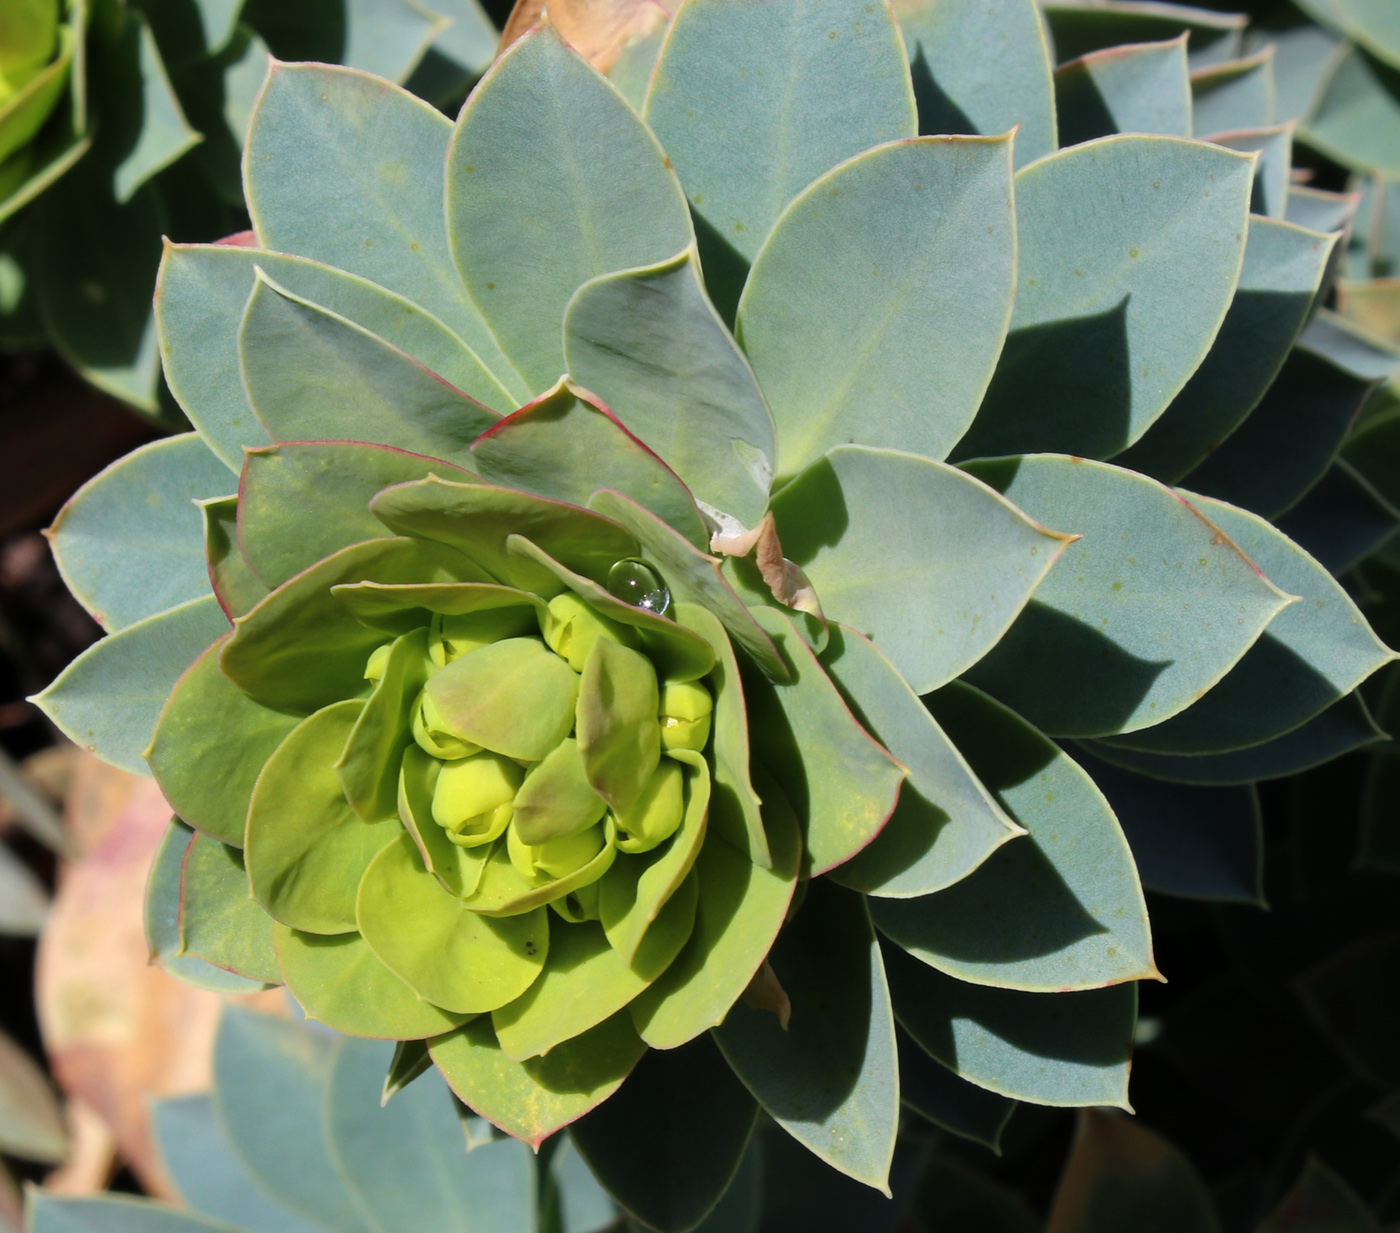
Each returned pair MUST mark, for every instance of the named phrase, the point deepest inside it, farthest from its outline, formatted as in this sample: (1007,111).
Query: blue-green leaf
(1058,909)
(961,93)
(389,37)
(1283,268)
(1341,520)
(1273,172)
(114,1214)
(200,300)
(1341,728)
(165,134)
(312,191)
(1289,441)
(930,1088)
(129,543)
(1053,1048)
(1311,654)
(946,823)
(1115,308)
(1355,115)
(109,698)
(312,375)
(965,570)
(219,920)
(649,343)
(1139,88)
(797,85)
(552,180)
(909,320)
(831,1080)
(1077,28)
(1150,608)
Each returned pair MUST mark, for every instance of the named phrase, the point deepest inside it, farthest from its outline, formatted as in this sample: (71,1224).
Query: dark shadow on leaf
(814,513)
(1064,386)
(725,268)
(1080,107)
(1341,521)
(938,114)
(1093,1027)
(928,1087)
(1064,676)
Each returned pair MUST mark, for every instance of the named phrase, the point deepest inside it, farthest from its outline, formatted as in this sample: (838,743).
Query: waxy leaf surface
(220,922)
(1138,88)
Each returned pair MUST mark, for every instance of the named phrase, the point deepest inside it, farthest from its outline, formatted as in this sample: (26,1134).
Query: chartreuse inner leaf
(945,823)
(586,980)
(933,602)
(454,958)
(513,696)
(1115,307)
(1311,655)
(678,653)
(219,921)
(798,85)
(832,1079)
(552,180)
(210,743)
(538,448)
(368,766)
(458,869)
(237,588)
(339,981)
(478,520)
(1143,614)
(961,93)
(1283,267)
(301,501)
(301,648)
(1139,88)
(734,805)
(161,916)
(693,576)
(533,1099)
(1055,910)
(910,320)
(312,375)
(109,699)
(305,849)
(845,796)
(650,344)
(312,191)
(139,513)
(619,734)
(740,908)
(633,893)
(1050,1048)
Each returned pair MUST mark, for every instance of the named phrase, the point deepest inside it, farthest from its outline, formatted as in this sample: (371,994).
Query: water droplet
(636,583)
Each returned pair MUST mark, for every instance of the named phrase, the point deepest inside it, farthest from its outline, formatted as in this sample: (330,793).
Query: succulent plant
(121,123)
(601,683)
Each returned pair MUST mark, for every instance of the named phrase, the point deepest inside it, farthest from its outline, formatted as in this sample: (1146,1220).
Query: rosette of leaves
(527,447)
(123,122)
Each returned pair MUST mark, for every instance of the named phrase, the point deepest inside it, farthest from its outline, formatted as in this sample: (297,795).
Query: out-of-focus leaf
(956,1198)
(209,1175)
(388,37)
(24,903)
(31,1121)
(1356,1004)
(1319,1202)
(165,134)
(1077,28)
(831,1080)
(1355,117)
(270,1086)
(1234,95)
(407,1162)
(115,1215)
(583,1206)
(1123,1178)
